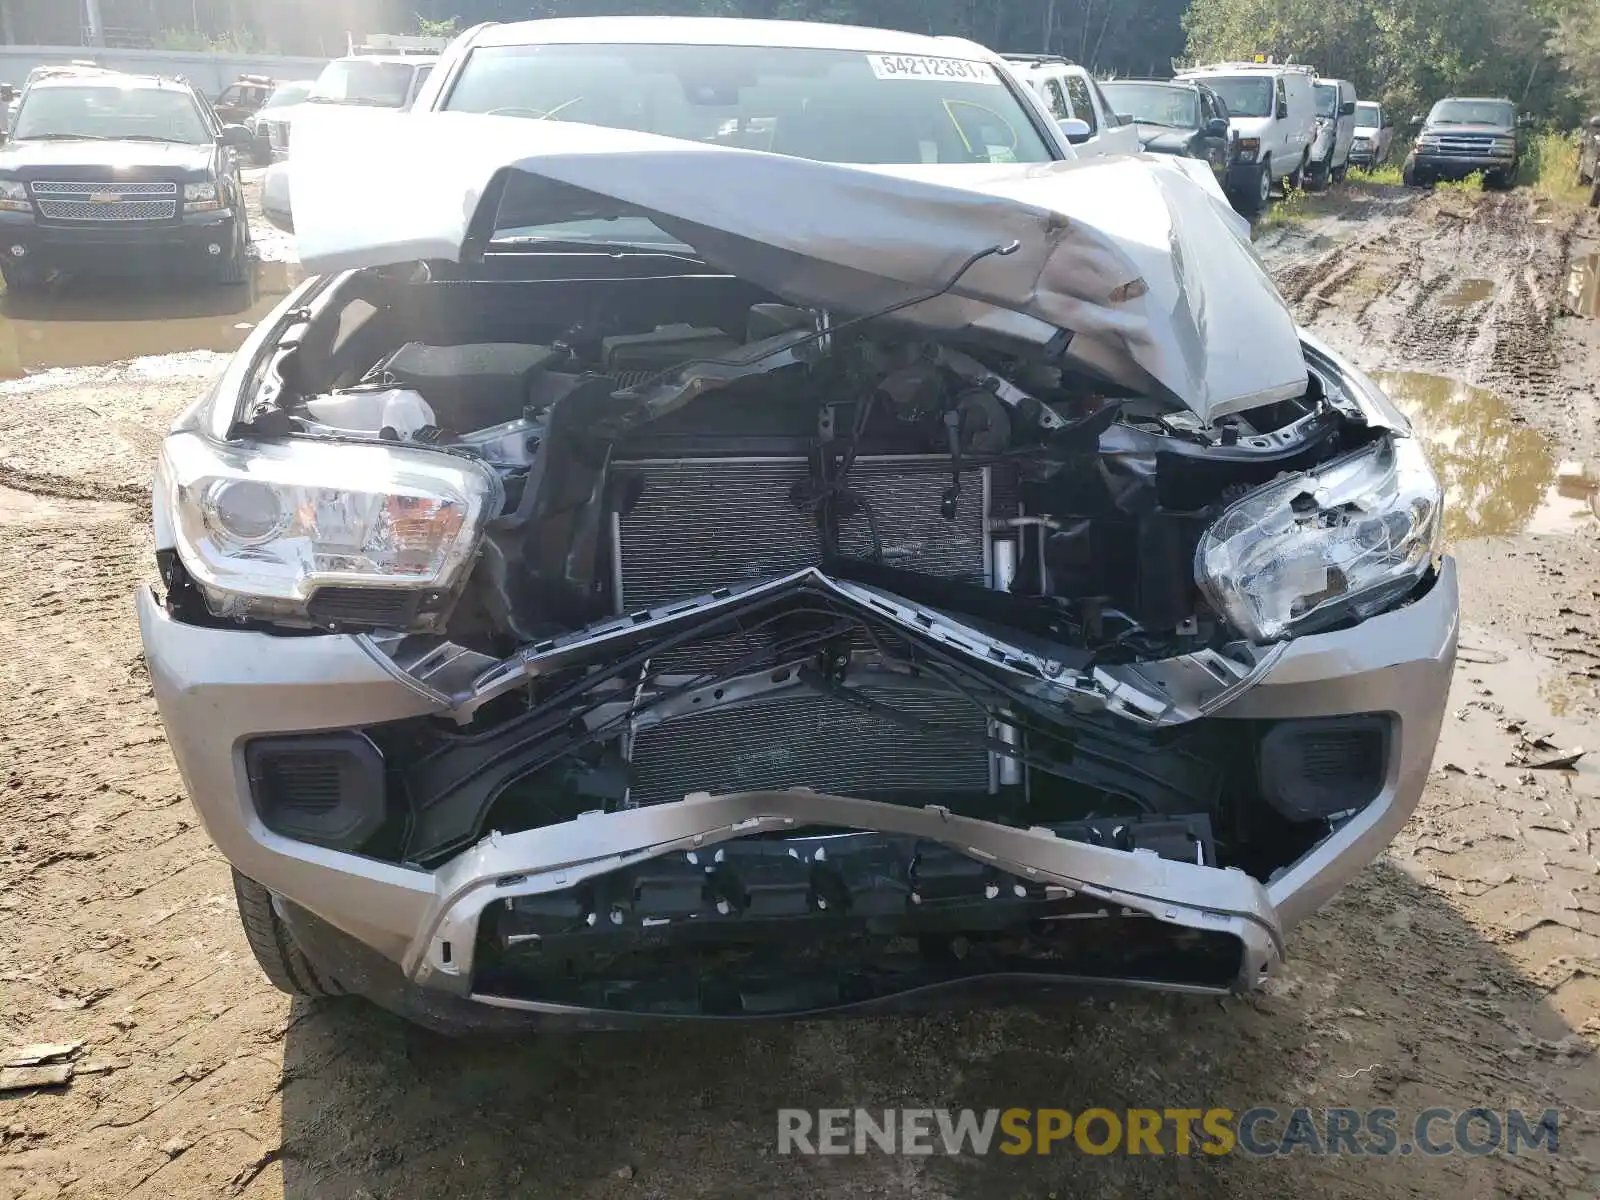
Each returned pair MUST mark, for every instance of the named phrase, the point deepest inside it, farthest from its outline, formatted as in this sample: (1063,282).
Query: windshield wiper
(593,246)
(62,137)
(152,137)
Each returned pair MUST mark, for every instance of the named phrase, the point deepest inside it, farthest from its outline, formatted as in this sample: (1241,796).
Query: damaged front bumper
(409,936)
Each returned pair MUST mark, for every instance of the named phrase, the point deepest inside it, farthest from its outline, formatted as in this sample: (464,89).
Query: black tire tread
(281,961)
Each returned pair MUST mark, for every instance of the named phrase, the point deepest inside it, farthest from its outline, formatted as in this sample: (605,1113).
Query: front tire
(22,278)
(235,266)
(279,958)
(1297,177)
(1259,194)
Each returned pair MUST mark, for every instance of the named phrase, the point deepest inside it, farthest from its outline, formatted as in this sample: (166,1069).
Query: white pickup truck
(1070,92)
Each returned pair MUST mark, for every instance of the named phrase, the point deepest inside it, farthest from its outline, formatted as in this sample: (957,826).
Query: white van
(1336,131)
(1071,93)
(1273,113)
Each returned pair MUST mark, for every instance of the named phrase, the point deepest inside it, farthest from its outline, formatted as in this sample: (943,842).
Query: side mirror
(1217,127)
(1594,122)
(1283,110)
(1525,119)
(275,197)
(238,136)
(1347,109)
(1388,123)
(1075,131)
(8,93)
(1124,118)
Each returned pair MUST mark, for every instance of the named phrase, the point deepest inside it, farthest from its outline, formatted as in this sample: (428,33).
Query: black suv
(1178,117)
(106,172)
(1463,136)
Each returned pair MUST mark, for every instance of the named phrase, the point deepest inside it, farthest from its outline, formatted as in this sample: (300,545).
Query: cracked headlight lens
(261,528)
(1345,541)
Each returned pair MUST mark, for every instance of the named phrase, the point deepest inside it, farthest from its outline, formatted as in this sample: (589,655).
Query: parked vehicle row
(1259,124)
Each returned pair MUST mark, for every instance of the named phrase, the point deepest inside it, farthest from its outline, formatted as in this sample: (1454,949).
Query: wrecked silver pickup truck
(641,577)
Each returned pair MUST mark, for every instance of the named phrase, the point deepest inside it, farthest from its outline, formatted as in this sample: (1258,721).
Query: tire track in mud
(1423,305)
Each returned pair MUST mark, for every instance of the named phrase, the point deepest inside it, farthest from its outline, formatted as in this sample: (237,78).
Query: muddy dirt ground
(1462,970)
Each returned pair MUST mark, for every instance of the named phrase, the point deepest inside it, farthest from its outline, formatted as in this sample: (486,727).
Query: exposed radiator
(820,742)
(700,524)
(704,523)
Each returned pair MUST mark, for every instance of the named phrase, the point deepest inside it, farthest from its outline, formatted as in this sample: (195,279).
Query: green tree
(1407,53)
(1576,41)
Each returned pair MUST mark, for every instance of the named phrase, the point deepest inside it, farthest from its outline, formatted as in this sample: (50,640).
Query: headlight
(198,197)
(1346,540)
(14,196)
(1249,148)
(261,529)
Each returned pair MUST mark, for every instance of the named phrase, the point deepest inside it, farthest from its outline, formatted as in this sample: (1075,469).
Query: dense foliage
(1408,52)
(1544,54)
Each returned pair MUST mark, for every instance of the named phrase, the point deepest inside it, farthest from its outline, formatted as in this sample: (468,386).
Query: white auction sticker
(922,66)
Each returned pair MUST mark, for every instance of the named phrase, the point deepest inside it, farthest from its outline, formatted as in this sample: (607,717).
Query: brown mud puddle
(1500,476)
(1467,292)
(84,323)
(1513,712)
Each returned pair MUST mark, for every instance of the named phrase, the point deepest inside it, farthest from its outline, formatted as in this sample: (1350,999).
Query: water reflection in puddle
(1467,292)
(1499,476)
(1583,286)
(90,322)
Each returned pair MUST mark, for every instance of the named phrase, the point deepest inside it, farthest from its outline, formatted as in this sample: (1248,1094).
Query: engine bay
(747,546)
(624,408)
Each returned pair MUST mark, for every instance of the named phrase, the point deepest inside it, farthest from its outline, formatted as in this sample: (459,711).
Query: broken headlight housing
(260,528)
(1312,549)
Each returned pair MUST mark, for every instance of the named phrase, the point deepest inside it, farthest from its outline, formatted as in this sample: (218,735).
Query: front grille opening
(322,788)
(309,782)
(790,966)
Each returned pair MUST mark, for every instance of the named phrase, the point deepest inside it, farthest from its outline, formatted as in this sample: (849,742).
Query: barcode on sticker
(922,66)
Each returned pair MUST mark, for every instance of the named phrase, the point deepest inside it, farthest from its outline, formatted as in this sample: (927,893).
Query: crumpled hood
(1138,258)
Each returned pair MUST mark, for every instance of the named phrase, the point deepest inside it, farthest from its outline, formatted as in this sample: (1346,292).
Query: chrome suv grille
(107,201)
(1465,145)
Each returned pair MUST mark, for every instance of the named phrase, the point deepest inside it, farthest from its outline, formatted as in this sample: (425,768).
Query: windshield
(1244,96)
(1327,100)
(289,93)
(831,105)
(1368,116)
(351,81)
(1474,112)
(1154,103)
(147,113)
